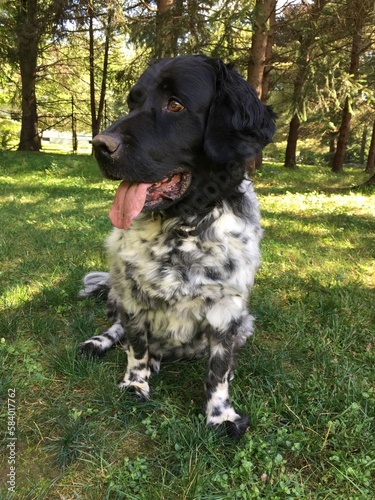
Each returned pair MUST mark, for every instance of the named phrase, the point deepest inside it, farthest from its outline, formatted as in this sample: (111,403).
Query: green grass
(306,379)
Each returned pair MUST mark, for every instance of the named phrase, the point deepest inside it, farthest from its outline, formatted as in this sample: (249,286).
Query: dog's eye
(175,106)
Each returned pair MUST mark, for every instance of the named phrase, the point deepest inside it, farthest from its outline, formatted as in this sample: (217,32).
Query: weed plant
(306,378)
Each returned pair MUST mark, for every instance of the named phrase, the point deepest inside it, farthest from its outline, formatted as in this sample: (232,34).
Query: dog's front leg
(218,407)
(138,368)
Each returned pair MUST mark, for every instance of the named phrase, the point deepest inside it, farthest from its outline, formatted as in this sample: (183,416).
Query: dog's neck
(194,225)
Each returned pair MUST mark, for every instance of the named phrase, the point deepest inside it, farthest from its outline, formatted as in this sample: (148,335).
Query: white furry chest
(171,282)
(145,260)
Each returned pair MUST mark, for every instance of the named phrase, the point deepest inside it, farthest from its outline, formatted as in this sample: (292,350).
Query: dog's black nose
(105,145)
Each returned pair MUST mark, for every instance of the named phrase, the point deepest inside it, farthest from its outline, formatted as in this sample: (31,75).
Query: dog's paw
(92,348)
(140,388)
(228,422)
(232,428)
(237,428)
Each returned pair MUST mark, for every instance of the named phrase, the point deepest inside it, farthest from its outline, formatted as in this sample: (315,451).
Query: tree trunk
(268,62)
(363,145)
(178,14)
(260,57)
(29,137)
(258,52)
(103,89)
(164,29)
(344,131)
(267,72)
(94,125)
(32,21)
(370,165)
(298,103)
(291,147)
(28,40)
(307,40)
(332,143)
(97,115)
(342,140)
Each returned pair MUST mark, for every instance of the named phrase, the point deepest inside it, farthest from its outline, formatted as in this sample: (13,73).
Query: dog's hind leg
(98,284)
(99,344)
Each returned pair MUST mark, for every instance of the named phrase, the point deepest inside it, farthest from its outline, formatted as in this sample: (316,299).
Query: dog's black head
(193,123)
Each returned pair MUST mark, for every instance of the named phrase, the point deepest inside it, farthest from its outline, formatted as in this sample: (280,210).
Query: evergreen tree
(24,25)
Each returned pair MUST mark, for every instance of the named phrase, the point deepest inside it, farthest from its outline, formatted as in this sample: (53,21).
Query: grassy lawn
(306,378)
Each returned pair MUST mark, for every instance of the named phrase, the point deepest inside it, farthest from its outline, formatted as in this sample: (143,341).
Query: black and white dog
(185,245)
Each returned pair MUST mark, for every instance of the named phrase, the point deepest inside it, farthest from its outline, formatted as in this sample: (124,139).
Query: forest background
(306,379)
(67,66)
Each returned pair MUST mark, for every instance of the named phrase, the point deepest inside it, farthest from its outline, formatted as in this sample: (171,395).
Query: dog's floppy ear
(239,125)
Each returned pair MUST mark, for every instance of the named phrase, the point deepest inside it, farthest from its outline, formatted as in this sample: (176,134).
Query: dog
(184,250)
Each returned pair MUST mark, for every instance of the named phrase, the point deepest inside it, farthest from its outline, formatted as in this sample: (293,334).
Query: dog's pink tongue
(128,203)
